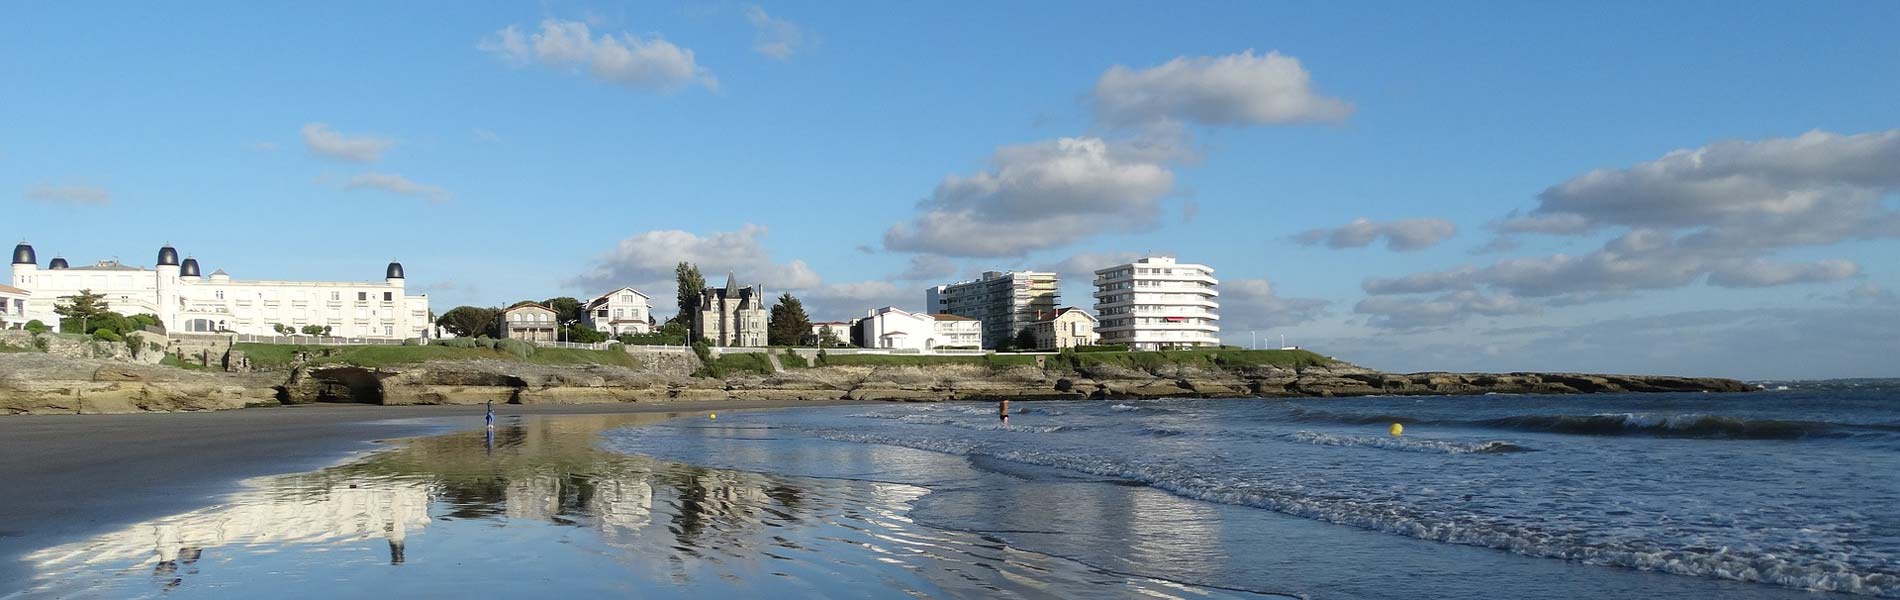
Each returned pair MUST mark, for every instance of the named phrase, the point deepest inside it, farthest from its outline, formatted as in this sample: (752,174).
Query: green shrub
(36,327)
(792,360)
(518,348)
(42,343)
(107,335)
(824,359)
(457,343)
(411,342)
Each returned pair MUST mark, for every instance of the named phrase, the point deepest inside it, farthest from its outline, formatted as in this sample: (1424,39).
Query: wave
(1688,425)
(1681,425)
(991,424)
(1818,573)
(1407,444)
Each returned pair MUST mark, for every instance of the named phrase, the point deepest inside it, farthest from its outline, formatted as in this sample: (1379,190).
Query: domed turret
(394,271)
(168,256)
(23,255)
(58,263)
(189,268)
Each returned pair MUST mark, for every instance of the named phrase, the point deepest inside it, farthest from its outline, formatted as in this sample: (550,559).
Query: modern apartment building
(1006,303)
(1156,303)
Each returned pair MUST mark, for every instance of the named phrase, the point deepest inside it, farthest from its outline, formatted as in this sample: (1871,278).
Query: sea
(1791,492)
(1771,494)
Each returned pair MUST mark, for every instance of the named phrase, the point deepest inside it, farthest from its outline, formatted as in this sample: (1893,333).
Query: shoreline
(74,475)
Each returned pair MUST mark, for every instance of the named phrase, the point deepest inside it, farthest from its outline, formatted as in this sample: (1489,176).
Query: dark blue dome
(58,263)
(189,269)
(394,271)
(23,255)
(168,256)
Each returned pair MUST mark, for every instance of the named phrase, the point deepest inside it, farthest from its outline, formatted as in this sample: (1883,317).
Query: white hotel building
(186,301)
(1156,303)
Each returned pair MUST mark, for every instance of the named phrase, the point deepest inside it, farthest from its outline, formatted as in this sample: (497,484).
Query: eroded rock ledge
(38,383)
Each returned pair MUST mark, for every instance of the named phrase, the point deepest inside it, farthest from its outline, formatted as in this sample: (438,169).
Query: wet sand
(68,476)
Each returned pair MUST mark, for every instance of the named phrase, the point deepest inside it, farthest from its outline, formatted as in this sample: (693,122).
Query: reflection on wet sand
(536,508)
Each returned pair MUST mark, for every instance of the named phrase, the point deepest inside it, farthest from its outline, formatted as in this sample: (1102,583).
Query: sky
(1697,188)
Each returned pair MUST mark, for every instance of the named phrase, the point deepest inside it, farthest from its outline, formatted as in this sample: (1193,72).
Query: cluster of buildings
(1149,304)
(1152,303)
(185,299)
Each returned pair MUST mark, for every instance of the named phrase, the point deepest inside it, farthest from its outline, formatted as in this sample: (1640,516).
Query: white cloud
(319,139)
(1761,273)
(1231,90)
(1080,268)
(843,301)
(1815,189)
(1715,214)
(1401,236)
(1255,304)
(775,38)
(1871,293)
(644,63)
(927,267)
(1414,313)
(1037,196)
(69,194)
(646,260)
(397,184)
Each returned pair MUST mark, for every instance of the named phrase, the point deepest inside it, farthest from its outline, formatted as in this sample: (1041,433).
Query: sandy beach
(69,476)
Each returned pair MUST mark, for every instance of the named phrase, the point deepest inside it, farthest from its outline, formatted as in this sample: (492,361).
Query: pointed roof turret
(732,283)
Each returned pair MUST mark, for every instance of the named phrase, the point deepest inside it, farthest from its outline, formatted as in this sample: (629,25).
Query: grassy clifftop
(271,356)
(268,356)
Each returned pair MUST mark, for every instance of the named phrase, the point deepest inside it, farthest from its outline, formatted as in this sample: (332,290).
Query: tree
(87,313)
(146,321)
(827,337)
(584,334)
(565,308)
(691,284)
(469,321)
(1025,340)
(86,305)
(280,328)
(313,330)
(788,325)
(326,331)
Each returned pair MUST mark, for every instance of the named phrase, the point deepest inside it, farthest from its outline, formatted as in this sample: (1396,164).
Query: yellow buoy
(712,415)
(1398,429)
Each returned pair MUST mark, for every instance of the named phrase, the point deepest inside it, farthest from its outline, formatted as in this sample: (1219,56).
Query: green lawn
(755,362)
(1204,358)
(280,355)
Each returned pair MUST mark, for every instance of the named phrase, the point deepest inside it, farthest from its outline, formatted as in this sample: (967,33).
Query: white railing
(299,340)
(576,345)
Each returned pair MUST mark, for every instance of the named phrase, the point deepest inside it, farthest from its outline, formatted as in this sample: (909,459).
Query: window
(362,296)
(389,296)
(218,294)
(336,296)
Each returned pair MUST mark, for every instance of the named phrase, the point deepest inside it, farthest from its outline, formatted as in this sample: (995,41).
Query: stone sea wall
(43,383)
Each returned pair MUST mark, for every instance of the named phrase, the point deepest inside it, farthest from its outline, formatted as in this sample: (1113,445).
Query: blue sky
(510,151)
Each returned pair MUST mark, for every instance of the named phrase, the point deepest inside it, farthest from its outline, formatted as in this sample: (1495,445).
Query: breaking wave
(1393,515)
(1407,444)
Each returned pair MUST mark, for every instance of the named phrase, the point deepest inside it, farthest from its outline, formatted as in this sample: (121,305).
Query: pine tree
(789,324)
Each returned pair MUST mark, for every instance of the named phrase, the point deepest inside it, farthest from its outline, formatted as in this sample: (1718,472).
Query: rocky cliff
(39,383)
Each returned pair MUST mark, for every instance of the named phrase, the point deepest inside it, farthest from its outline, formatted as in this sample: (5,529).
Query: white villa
(624,310)
(186,301)
(1156,303)
(13,302)
(899,329)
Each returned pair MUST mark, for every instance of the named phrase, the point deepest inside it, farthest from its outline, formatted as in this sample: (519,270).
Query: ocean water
(1782,493)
